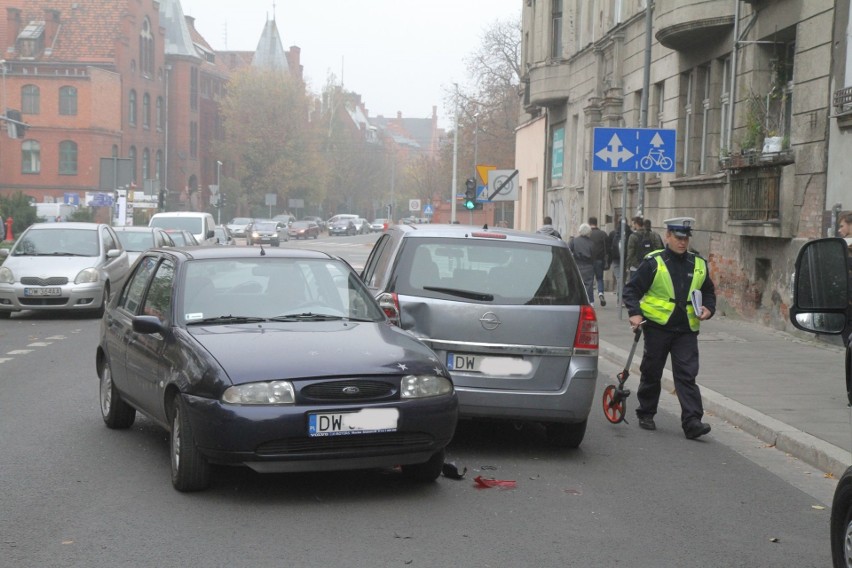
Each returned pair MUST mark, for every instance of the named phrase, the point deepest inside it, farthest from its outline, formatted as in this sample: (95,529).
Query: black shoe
(647,423)
(603,301)
(696,429)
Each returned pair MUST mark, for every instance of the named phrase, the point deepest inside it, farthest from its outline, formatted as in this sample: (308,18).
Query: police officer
(660,293)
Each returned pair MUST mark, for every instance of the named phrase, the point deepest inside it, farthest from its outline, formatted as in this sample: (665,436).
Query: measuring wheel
(613,404)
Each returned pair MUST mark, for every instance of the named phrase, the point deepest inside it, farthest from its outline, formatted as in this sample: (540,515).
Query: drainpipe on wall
(733,82)
(643,105)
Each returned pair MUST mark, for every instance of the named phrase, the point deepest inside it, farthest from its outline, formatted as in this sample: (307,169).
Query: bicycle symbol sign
(650,150)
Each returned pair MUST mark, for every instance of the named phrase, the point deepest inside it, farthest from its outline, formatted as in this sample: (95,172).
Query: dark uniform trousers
(683,347)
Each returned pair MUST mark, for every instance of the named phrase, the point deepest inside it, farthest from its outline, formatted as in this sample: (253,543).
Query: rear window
(502,272)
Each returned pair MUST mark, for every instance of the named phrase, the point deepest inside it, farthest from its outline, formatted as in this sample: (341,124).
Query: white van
(199,224)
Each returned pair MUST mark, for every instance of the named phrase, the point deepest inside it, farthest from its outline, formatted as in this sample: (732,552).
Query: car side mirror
(113,253)
(821,287)
(148,325)
(210,234)
(4,253)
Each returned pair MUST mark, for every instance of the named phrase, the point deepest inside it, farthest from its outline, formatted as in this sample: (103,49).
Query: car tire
(4,315)
(562,435)
(427,471)
(190,470)
(99,312)
(117,414)
(841,522)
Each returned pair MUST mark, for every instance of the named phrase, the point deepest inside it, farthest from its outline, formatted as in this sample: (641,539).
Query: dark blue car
(279,360)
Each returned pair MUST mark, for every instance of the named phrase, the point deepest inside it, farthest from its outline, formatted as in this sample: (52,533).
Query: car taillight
(389,302)
(587,329)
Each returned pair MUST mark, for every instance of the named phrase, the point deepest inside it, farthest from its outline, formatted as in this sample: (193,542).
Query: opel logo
(351,390)
(490,321)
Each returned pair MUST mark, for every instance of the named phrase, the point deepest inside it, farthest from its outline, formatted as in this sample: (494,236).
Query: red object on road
(487,482)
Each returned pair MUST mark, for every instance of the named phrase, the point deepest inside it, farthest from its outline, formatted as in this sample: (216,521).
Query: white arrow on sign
(615,152)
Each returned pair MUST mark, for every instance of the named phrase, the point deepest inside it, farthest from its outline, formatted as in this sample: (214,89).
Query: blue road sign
(649,150)
(428,210)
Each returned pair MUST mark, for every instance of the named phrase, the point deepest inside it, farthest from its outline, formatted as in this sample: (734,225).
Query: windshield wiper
(306,316)
(227,319)
(481,296)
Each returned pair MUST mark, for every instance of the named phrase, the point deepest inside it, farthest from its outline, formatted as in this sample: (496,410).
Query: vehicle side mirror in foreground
(821,302)
(147,324)
(4,253)
(113,253)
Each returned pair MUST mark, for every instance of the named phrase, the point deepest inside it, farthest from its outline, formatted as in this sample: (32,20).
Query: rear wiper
(227,319)
(306,316)
(481,296)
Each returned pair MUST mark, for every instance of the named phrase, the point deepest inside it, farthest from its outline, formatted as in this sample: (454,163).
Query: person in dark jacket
(598,256)
(582,248)
(615,252)
(548,229)
(672,293)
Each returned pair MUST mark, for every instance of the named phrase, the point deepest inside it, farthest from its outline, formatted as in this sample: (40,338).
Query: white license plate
(488,365)
(53,291)
(365,421)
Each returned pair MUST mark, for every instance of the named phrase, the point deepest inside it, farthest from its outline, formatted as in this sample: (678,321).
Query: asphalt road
(78,494)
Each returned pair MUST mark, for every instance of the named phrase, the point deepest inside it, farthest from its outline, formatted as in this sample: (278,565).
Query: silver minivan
(507,313)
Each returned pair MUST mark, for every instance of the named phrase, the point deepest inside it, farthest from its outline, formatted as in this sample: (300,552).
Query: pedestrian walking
(636,244)
(582,248)
(548,229)
(655,239)
(615,253)
(672,292)
(599,255)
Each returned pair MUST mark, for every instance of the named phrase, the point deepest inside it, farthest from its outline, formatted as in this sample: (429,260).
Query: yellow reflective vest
(659,302)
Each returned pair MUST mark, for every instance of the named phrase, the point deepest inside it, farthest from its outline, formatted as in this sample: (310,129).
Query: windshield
(221,291)
(136,241)
(240,221)
(58,242)
(264,226)
(191,224)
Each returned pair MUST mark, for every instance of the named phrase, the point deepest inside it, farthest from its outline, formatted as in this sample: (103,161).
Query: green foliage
(83,215)
(19,207)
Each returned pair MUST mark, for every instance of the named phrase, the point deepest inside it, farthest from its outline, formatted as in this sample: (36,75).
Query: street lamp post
(455,159)
(218,184)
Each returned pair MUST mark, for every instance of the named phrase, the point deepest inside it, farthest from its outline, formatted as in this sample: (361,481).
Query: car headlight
(6,276)
(87,276)
(272,392)
(422,386)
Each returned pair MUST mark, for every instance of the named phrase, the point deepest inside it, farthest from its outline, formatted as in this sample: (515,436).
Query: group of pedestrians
(668,292)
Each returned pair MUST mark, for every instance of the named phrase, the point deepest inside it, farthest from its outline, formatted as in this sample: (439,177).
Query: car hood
(50,266)
(305,350)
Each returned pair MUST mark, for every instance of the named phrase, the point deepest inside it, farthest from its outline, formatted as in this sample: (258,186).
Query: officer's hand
(705,314)
(636,321)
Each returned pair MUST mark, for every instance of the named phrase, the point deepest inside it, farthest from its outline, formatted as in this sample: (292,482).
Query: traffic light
(470,194)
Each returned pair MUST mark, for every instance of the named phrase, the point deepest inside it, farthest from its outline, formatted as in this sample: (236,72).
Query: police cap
(680,226)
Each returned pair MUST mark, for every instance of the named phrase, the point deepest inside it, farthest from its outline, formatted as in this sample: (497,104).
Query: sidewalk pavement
(786,390)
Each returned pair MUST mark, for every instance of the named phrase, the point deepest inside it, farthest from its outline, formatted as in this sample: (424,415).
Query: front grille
(334,391)
(397,441)
(52,281)
(43,301)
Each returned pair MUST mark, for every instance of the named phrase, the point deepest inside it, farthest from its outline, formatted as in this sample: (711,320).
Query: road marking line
(19,352)
(39,344)
(56,337)
(4,359)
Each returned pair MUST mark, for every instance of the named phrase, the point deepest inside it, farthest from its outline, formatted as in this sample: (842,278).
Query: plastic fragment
(487,482)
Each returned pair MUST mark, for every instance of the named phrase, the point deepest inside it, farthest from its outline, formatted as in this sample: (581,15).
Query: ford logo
(351,390)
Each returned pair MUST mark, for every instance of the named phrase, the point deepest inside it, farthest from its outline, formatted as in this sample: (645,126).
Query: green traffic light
(468,204)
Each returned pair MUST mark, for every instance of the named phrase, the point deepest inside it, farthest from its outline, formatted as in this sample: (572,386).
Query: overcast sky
(399,55)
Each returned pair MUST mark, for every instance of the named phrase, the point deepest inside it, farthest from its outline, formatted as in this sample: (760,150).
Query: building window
(159,165)
(133,164)
(687,82)
(556,30)
(68,157)
(193,139)
(30,99)
(725,105)
(68,101)
(146,49)
(660,101)
(704,86)
(146,111)
(132,108)
(193,88)
(30,157)
(160,116)
(146,164)
(115,150)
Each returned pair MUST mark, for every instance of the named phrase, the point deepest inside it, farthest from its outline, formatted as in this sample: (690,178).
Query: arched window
(132,156)
(146,49)
(146,164)
(132,108)
(146,111)
(68,101)
(159,166)
(30,99)
(30,157)
(68,157)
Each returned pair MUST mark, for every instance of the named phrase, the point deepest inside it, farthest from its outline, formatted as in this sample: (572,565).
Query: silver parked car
(505,310)
(62,266)
(136,240)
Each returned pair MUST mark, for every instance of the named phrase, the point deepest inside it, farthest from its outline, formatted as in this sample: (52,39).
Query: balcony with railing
(684,24)
(754,204)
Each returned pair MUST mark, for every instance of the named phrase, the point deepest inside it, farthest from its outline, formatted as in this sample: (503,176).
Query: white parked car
(62,266)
